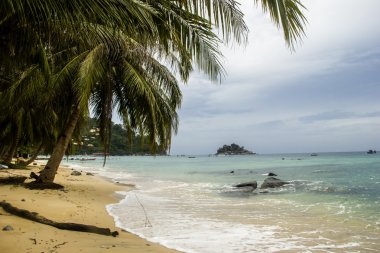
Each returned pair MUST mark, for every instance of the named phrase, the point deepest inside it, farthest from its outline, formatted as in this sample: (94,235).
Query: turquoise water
(332,203)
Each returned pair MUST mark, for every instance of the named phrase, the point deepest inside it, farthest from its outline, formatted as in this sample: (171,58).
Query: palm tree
(144,91)
(147,93)
(112,54)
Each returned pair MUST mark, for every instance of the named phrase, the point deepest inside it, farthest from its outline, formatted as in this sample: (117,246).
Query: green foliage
(59,58)
(89,142)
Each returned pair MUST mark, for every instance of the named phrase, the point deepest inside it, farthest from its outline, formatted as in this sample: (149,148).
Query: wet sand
(83,200)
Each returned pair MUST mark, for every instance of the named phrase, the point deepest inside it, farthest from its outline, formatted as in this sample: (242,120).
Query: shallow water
(332,203)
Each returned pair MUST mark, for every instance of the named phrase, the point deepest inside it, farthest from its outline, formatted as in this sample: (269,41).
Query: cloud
(323,97)
(338,115)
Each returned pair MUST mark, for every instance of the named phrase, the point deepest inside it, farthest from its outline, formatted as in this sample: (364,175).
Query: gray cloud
(337,115)
(323,97)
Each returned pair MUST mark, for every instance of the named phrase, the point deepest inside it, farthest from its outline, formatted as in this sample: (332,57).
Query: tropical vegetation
(89,142)
(59,60)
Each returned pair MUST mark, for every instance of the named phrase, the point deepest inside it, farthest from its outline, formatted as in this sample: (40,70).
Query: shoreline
(83,200)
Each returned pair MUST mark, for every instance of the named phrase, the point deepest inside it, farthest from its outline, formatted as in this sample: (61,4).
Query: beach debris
(60,225)
(75,173)
(3,166)
(8,228)
(272,182)
(89,174)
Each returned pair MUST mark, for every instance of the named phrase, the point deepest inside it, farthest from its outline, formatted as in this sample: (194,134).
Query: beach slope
(83,200)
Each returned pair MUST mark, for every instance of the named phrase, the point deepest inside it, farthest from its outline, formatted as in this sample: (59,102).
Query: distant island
(233,149)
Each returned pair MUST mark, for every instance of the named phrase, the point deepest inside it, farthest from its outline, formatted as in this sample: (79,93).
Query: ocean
(331,204)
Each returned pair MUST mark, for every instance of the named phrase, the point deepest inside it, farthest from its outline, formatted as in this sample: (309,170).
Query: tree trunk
(33,157)
(12,150)
(2,154)
(48,173)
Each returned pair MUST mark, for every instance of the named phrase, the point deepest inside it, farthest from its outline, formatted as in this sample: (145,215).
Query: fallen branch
(60,225)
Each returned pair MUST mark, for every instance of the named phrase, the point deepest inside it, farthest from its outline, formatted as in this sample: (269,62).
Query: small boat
(87,159)
(101,154)
(371,151)
(3,166)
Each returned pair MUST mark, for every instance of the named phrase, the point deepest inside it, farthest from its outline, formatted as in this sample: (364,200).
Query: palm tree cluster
(61,59)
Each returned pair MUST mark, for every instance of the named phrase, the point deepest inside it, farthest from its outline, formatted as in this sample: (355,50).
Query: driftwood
(60,225)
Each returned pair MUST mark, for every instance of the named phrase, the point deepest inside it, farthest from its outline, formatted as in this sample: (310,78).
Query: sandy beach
(83,200)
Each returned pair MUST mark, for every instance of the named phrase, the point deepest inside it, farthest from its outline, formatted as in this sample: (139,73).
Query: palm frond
(287,14)
(191,36)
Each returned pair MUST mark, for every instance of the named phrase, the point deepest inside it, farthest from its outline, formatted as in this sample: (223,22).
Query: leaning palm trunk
(48,173)
(12,150)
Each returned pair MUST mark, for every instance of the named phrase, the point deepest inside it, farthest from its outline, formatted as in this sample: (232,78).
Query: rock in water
(271,174)
(76,173)
(7,228)
(252,184)
(272,182)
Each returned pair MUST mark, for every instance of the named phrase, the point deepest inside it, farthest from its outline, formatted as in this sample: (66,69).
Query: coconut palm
(146,93)
(112,54)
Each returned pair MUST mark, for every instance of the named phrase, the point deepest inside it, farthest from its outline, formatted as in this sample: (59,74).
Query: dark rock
(7,228)
(252,184)
(89,174)
(271,174)
(272,182)
(75,173)
(232,171)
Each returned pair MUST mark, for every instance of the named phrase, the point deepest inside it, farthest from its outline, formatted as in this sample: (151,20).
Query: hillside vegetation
(90,143)
(233,149)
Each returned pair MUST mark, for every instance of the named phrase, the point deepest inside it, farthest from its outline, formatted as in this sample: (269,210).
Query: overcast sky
(323,97)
